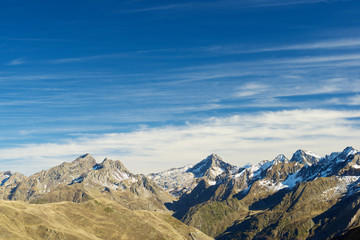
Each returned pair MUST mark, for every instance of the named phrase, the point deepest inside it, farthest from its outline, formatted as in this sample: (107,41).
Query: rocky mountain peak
(281,158)
(213,157)
(215,161)
(4,176)
(47,180)
(108,173)
(80,165)
(108,163)
(305,157)
(348,151)
(84,159)
(212,165)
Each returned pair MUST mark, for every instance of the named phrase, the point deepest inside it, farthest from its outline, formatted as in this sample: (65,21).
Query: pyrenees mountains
(304,197)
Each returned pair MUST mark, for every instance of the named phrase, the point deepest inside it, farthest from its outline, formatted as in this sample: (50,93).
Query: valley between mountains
(302,197)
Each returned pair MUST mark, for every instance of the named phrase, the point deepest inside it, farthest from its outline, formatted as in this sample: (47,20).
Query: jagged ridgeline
(84,179)
(87,200)
(304,197)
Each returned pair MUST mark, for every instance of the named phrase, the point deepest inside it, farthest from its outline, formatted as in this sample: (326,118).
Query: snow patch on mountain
(305,157)
(312,154)
(120,176)
(182,180)
(281,158)
(346,186)
(303,166)
(237,175)
(349,151)
(211,182)
(255,171)
(217,171)
(271,185)
(356,166)
(175,180)
(292,180)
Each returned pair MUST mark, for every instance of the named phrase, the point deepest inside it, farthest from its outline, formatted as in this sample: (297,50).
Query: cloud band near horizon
(239,139)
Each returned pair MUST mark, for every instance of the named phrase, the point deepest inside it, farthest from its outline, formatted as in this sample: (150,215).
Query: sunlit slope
(94,219)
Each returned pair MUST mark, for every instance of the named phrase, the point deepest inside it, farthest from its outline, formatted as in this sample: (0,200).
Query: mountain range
(304,197)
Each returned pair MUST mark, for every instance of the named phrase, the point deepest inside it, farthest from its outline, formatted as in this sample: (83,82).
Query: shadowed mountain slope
(306,197)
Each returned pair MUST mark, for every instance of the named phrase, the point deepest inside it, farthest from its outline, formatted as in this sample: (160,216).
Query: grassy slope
(284,215)
(293,218)
(95,219)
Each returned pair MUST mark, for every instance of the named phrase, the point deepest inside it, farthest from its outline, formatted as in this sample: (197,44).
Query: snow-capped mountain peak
(305,157)
(348,151)
(180,180)
(256,170)
(213,165)
(281,158)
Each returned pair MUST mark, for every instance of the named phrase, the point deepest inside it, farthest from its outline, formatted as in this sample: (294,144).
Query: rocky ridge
(277,199)
(84,179)
(183,180)
(304,197)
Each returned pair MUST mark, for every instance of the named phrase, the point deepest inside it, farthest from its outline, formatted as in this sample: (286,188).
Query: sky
(161,84)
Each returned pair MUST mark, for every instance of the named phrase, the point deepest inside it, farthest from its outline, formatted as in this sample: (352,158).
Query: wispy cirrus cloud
(347,101)
(86,58)
(344,43)
(17,61)
(323,59)
(250,89)
(25,39)
(225,4)
(299,94)
(298,60)
(354,100)
(277,3)
(116,55)
(160,8)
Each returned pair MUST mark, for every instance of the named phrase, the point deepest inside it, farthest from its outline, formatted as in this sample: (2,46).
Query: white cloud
(238,139)
(85,58)
(160,8)
(336,43)
(322,59)
(355,100)
(347,101)
(225,4)
(251,89)
(276,94)
(343,43)
(18,61)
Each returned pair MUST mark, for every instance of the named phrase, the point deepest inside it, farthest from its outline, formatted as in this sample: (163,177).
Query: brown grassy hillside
(94,219)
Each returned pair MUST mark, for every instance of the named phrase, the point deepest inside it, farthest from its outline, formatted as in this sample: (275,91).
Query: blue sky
(160,84)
